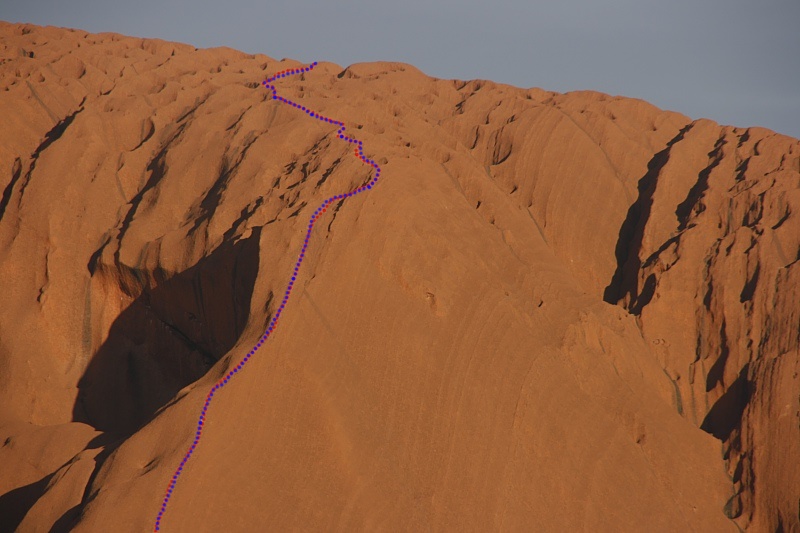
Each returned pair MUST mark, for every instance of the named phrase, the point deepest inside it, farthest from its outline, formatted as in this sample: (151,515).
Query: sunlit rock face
(553,312)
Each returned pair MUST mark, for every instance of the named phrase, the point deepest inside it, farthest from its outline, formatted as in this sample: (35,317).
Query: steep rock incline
(447,360)
(712,272)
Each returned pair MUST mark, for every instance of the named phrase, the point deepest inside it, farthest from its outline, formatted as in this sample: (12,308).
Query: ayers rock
(555,312)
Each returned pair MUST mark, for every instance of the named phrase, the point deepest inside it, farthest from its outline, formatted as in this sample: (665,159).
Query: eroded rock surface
(555,311)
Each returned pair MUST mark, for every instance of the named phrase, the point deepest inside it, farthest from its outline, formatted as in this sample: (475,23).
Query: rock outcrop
(554,312)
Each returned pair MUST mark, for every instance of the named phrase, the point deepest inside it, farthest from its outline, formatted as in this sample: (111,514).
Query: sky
(734,61)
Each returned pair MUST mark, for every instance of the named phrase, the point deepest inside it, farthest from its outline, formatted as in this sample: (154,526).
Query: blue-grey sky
(734,61)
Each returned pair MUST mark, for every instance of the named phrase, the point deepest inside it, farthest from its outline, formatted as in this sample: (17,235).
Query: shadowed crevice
(749,289)
(717,370)
(726,413)
(213,197)
(624,282)
(50,137)
(55,133)
(157,168)
(643,297)
(67,521)
(692,202)
(16,172)
(16,503)
(176,328)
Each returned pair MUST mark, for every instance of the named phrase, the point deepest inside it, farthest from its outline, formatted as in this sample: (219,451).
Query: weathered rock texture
(555,312)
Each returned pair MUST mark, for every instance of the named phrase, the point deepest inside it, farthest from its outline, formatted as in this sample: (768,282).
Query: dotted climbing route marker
(359,152)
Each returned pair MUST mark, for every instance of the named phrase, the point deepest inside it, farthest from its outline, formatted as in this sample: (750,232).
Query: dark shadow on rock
(644,296)
(695,195)
(67,521)
(172,333)
(624,282)
(50,137)
(749,288)
(717,370)
(726,413)
(15,503)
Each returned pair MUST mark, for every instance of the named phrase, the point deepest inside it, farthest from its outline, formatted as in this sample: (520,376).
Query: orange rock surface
(555,312)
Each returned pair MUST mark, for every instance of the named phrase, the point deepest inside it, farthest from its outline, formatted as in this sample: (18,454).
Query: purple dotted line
(359,151)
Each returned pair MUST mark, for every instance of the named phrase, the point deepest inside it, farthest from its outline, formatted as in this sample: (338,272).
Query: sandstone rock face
(554,312)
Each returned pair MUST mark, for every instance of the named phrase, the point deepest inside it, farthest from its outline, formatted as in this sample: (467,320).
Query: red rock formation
(449,360)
